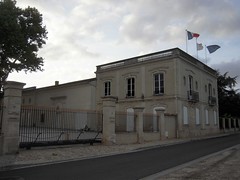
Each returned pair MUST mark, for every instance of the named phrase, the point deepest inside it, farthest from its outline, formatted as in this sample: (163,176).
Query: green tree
(228,97)
(22,34)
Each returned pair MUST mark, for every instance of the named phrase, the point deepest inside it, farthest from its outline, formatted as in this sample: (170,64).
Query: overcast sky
(85,33)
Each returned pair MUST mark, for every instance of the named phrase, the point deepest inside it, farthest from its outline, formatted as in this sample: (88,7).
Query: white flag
(199,46)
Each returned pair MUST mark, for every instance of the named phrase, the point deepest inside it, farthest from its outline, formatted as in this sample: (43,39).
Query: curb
(166,143)
(171,170)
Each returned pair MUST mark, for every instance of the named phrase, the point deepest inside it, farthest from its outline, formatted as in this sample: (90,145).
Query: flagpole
(197,48)
(206,54)
(186,42)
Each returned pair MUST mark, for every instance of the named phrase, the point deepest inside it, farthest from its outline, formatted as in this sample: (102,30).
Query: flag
(191,35)
(212,48)
(199,46)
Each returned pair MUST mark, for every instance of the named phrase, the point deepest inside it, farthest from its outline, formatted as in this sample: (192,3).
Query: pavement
(221,165)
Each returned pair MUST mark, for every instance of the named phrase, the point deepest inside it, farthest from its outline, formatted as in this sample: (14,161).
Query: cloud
(153,21)
(86,33)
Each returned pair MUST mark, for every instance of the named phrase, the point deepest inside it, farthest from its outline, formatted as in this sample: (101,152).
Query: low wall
(126,138)
(151,136)
(131,138)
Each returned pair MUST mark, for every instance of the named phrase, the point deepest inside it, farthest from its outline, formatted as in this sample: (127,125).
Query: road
(133,165)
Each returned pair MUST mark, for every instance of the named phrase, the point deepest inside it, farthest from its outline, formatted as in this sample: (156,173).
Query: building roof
(170,53)
(57,85)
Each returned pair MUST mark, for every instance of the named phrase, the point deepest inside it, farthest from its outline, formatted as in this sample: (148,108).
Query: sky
(85,33)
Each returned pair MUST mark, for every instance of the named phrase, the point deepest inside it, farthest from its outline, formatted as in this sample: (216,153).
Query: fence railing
(229,123)
(150,123)
(50,124)
(1,117)
(125,122)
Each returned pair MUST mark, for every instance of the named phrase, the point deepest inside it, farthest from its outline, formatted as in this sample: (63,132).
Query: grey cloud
(168,19)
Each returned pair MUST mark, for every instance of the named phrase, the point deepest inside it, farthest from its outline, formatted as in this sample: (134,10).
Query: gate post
(11,117)
(161,122)
(139,123)
(109,110)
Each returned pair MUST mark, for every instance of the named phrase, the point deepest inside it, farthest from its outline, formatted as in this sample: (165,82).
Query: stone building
(171,79)
(75,95)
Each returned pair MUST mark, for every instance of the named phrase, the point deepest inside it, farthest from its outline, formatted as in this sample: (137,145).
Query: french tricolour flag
(191,35)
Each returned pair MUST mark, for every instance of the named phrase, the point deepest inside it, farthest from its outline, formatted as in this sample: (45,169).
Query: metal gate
(53,126)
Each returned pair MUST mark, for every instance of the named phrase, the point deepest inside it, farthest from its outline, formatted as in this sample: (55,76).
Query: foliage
(21,35)
(229,98)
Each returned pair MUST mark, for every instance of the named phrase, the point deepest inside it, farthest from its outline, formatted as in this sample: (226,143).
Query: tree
(228,97)
(22,34)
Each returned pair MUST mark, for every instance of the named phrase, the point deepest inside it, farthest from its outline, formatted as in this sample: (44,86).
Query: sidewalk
(57,154)
(218,166)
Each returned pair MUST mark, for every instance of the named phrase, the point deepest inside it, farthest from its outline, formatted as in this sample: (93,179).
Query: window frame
(130,90)
(158,83)
(190,83)
(107,88)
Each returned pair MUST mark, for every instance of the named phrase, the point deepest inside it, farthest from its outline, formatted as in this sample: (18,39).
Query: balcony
(212,101)
(193,96)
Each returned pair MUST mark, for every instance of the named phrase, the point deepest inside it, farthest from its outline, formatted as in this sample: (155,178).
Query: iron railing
(1,117)
(212,101)
(125,122)
(49,125)
(150,123)
(193,96)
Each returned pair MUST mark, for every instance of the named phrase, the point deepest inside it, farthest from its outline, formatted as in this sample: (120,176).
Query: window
(130,87)
(197,116)
(158,83)
(206,116)
(107,88)
(190,80)
(209,89)
(130,120)
(185,115)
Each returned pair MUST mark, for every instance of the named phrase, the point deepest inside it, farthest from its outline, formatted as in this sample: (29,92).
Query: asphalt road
(133,165)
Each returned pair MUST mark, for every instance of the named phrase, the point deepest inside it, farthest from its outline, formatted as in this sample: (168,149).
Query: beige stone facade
(75,95)
(172,79)
(182,85)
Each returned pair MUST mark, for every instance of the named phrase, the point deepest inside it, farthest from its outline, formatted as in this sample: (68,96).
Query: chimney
(56,83)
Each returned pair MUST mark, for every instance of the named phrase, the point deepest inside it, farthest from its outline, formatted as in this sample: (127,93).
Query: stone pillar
(11,116)
(161,122)
(109,110)
(139,123)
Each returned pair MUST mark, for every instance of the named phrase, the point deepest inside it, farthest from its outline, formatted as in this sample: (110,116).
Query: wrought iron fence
(150,123)
(50,125)
(125,122)
(1,117)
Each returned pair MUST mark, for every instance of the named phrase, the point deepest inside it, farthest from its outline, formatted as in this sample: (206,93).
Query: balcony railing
(212,101)
(193,96)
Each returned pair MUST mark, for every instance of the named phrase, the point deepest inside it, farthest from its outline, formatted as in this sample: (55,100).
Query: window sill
(130,97)
(160,94)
